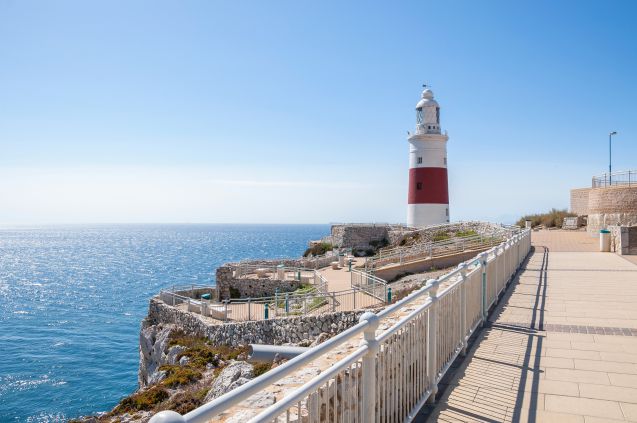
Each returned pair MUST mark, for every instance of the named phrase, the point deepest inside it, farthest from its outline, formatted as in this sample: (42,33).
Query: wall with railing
(392,373)
(623,178)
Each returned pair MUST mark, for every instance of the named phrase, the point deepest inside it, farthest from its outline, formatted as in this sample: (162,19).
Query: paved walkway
(561,347)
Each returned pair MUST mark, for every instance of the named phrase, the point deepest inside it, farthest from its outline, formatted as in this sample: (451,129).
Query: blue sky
(156,111)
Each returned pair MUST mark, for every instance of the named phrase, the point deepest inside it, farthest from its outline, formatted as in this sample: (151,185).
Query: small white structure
(428,198)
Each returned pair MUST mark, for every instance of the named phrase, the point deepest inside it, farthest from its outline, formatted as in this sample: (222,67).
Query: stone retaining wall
(358,236)
(273,331)
(250,287)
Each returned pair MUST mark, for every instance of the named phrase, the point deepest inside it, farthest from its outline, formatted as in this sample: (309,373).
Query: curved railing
(623,178)
(391,373)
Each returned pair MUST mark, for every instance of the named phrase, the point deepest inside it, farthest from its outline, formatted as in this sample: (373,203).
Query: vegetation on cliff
(551,219)
(184,385)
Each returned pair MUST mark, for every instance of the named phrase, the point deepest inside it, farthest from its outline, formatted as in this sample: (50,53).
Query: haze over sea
(72,299)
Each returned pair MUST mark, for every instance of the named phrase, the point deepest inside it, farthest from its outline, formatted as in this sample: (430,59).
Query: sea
(72,299)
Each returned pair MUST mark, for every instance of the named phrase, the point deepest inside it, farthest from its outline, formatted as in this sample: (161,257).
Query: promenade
(561,345)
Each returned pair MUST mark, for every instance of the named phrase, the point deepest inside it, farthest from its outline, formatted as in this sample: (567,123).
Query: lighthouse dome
(427,100)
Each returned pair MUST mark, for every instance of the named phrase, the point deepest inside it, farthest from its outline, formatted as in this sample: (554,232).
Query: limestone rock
(224,382)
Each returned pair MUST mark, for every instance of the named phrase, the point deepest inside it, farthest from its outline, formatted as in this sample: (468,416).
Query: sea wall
(274,331)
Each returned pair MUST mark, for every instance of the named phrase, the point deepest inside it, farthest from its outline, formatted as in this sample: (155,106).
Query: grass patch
(441,236)
(464,234)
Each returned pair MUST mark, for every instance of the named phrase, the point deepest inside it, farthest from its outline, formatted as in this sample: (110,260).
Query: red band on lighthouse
(428,185)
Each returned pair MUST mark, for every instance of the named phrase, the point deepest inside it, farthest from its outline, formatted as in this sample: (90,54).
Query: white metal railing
(392,373)
(370,284)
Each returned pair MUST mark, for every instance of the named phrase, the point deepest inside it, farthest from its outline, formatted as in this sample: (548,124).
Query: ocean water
(72,299)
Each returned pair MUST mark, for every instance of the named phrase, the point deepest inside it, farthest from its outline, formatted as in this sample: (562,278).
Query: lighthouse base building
(428,195)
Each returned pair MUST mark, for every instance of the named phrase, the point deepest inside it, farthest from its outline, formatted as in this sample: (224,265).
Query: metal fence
(391,374)
(370,284)
(624,178)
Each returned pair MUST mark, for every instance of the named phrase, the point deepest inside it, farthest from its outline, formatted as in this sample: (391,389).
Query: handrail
(622,178)
(427,352)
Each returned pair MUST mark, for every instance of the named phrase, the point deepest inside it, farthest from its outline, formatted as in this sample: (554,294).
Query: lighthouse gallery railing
(393,372)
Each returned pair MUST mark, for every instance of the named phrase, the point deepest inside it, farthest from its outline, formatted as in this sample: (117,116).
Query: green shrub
(318,249)
(141,401)
(552,219)
(260,368)
(184,402)
(177,375)
(441,236)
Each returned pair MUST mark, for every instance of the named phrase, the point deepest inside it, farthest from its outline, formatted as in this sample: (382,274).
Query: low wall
(273,331)
(391,272)
(624,239)
(250,287)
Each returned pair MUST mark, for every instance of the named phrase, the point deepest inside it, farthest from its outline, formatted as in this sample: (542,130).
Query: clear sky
(297,112)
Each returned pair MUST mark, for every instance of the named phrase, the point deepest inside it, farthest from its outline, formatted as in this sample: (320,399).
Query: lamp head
(613,133)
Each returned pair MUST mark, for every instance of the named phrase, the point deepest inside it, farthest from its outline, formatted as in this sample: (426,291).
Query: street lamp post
(610,157)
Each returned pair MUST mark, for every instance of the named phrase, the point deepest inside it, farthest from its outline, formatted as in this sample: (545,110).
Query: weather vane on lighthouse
(428,199)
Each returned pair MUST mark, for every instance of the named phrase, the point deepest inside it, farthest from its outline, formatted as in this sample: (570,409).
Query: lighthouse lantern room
(428,198)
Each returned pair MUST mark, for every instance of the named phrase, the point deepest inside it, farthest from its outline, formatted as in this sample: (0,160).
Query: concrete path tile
(531,416)
(608,392)
(630,411)
(617,379)
(606,366)
(583,406)
(579,376)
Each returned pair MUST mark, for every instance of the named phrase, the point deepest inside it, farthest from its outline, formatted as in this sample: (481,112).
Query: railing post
(334,302)
(266,311)
(483,264)
(354,293)
(463,306)
(249,308)
(495,271)
(287,303)
(432,331)
(305,304)
(226,310)
(276,302)
(368,371)
(389,295)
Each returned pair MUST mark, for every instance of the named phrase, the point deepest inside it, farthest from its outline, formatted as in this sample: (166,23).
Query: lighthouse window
(445,161)
(419,160)
(447,210)
(419,185)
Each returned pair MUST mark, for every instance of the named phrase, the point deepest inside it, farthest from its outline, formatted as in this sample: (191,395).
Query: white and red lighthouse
(428,198)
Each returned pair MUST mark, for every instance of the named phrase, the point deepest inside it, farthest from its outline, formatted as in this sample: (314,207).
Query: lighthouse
(428,198)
